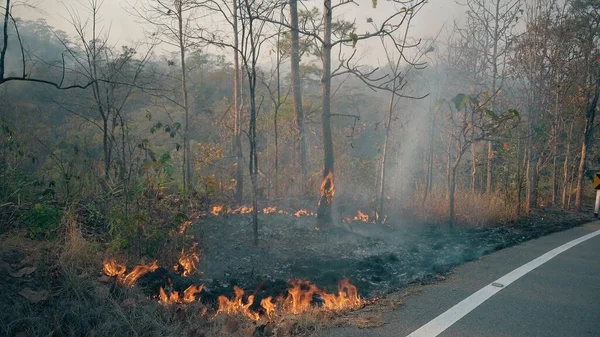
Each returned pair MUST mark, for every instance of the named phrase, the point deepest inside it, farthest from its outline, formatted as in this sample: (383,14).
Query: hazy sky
(125,29)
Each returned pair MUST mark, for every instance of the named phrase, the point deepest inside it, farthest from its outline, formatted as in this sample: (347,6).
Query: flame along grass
(299,297)
(189,295)
(299,300)
(112,268)
(188,260)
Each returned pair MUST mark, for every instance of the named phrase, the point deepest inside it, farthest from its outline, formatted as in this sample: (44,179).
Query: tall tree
(495,20)
(587,20)
(297,88)
(237,107)
(173,22)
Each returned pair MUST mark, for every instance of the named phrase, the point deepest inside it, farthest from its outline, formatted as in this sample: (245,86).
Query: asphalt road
(559,298)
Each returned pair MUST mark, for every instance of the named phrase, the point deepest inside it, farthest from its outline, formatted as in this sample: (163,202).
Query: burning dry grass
(188,260)
(114,269)
(299,300)
(64,296)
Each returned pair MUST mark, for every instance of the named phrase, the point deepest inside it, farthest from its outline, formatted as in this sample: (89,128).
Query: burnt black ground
(378,259)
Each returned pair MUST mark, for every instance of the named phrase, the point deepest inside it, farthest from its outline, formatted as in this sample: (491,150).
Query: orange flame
(112,268)
(361,217)
(303,211)
(188,261)
(299,299)
(237,305)
(137,272)
(172,298)
(189,295)
(328,188)
(184,227)
(243,210)
(347,297)
(216,210)
(269,210)
(268,305)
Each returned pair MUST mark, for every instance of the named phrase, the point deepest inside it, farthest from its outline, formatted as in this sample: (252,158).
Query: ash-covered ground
(378,259)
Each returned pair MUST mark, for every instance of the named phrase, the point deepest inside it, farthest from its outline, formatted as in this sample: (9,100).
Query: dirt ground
(378,259)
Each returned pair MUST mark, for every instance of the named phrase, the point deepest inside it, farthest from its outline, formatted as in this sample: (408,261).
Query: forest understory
(60,288)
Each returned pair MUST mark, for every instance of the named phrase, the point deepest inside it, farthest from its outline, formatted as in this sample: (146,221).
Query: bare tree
(237,107)
(253,17)
(25,76)
(297,88)
(173,21)
(113,79)
(495,20)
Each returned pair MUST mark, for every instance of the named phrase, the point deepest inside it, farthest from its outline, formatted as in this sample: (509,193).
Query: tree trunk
(566,169)
(448,166)
(187,165)
(585,144)
(473,168)
(4,38)
(490,163)
(451,194)
(237,129)
(384,155)
(106,146)
(277,105)
(253,163)
(429,178)
(327,185)
(297,90)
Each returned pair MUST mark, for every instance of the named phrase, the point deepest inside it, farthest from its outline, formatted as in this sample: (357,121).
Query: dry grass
(472,209)
(76,250)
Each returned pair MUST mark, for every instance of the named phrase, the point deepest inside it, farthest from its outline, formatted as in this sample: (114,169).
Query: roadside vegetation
(139,184)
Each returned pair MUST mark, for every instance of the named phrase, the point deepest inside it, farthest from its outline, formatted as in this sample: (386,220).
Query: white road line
(452,315)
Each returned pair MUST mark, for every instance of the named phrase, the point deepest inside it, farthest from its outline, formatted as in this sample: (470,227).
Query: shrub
(42,221)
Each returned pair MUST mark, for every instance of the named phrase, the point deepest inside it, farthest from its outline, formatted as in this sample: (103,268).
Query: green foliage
(123,227)
(42,221)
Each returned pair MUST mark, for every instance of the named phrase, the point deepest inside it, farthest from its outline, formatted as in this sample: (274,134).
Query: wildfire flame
(189,295)
(328,188)
(137,272)
(243,210)
(172,298)
(298,300)
(347,297)
(300,296)
(361,217)
(188,261)
(112,268)
(268,305)
(237,306)
(269,210)
(216,210)
(364,217)
(184,227)
(303,211)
